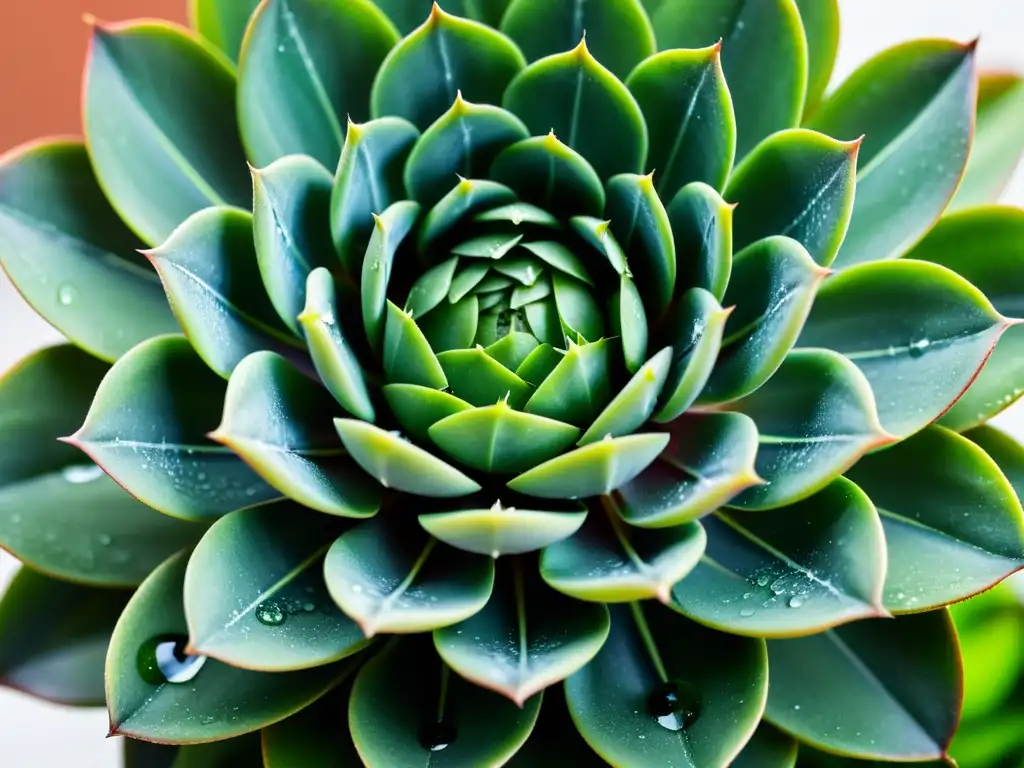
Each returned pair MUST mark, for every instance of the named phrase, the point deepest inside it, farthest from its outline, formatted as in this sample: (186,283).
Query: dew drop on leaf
(675,704)
(270,613)
(66,294)
(82,473)
(435,737)
(162,659)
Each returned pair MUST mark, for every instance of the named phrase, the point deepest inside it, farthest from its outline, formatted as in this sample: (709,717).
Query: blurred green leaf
(820,19)
(222,22)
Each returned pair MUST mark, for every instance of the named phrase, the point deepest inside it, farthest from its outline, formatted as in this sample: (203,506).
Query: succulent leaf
(702,227)
(390,229)
(544,171)
(222,22)
(768,748)
(820,20)
(309,737)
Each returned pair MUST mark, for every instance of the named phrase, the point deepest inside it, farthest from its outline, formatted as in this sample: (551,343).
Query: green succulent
(555,375)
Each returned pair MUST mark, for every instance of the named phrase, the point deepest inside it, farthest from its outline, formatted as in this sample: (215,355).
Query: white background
(38,735)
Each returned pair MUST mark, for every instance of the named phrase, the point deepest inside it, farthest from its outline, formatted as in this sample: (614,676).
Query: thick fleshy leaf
(368,181)
(464,199)
(998,141)
(702,224)
(422,75)
(574,96)
(398,464)
(255,596)
(578,312)
(209,270)
(222,22)
(797,183)
(953,524)
(555,741)
(544,171)
(608,561)
(496,438)
(820,20)
(793,571)
(901,687)
(553,636)
(390,229)
(513,349)
(241,750)
(55,637)
(279,421)
(159,119)
(419,408)
(628,320)
(592,470)
(505,530)
(578,388)
(689,115)
(409,708)
(147,428)
(918,331)
(759,37)
(480,380)
(307,64)
(985,245)
(634,404)
(432,287)
(156,692)
(311,737)
(462,142)
(450,326)
(71,257)
(915,104)
(408,358)
(815,418)
(290,222)
(1007,453)
(333,356)
(59,513)
(618,31)
(707,462)
(396,579)
(773,285)
(666,691)
(694,328)
(641,224)
(598,233)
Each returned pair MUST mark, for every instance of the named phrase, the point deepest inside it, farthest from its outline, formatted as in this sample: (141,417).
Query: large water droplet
(919,347)
(66,294)
(675,704)
(795,602)
(270,613)
(82,473)
(437,736)
(163,660)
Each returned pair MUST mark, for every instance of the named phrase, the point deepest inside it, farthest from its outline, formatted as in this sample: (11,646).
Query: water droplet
(270,613)
(746,613)
(795,602)
(82,473)
(309,607)
(675,704)
(762,581)
(66,294)
(919,347)
(357,588)
(104,540)
(437,736)
(163,660)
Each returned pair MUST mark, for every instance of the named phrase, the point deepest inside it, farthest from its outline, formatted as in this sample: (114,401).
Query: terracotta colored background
(42,47)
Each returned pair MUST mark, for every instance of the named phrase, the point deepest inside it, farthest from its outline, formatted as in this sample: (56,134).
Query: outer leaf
(147,428)
(773,284)
(270,610)
(618,31)
(815,418)
(390,229)
(919,332)
(460,143)
(756,38)
(305,65)
(592,470)
(207,267)
(407,708)
(702,228)
(157,166)
(708,461)
(794,571)
(797,183)
(280,423)
(954,507)
(55,637)
(915,104)
(634,404)
(222,22)
(399,580)
(422,75)
(1004,450)
(145,754)
(553,636)
(312,736)
(901,684)
(983,245)
(820,20)
(544,171)
(401,465)
(291,209)
(610,562)
(998,141)
(217,701)
(59,514)
(574,96)
(722,679)
(689,115)
(368,181)
(71,257)
(767,748)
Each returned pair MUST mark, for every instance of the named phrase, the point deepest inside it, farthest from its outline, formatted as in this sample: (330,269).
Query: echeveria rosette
(539,342)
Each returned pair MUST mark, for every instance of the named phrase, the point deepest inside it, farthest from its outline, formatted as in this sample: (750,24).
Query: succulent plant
(555,375)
